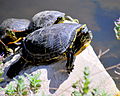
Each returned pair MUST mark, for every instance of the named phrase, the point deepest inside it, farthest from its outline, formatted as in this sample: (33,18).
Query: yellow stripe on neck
(15,41)
(78,30)
(82,48)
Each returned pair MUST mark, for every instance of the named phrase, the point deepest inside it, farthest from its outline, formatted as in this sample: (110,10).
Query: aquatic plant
(117,28)
(34,81)
(83,89)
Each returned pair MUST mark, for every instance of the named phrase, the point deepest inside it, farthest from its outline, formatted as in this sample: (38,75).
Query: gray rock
(56,81)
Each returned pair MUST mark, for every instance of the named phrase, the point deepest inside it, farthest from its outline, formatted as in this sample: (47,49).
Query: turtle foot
(69,69)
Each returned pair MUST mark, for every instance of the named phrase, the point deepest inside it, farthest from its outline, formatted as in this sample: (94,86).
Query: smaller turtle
(12,26)
(51,44)
(10,32)
(47,18)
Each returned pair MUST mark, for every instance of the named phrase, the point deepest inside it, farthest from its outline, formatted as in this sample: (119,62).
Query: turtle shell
(11,32)
(15,25)
(49,42)
(46,18)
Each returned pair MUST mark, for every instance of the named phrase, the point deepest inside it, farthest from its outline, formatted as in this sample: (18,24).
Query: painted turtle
(12,26)
(50,44)
(10,32)
(47,18)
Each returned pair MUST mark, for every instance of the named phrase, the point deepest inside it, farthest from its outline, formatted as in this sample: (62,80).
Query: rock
(56,81)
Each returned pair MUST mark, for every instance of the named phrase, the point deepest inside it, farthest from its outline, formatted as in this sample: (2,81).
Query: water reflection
(97,14)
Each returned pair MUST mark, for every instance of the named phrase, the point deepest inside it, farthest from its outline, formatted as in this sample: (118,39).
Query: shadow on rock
(54,73)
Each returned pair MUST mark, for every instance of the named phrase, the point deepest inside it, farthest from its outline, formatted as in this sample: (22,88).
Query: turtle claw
(69,69)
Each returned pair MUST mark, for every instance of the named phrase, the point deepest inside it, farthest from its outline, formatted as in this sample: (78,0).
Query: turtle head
(86,35)
(82,40)
(66,19)
(11,33)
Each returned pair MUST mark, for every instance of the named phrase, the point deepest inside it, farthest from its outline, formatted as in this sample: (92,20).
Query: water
(97,14)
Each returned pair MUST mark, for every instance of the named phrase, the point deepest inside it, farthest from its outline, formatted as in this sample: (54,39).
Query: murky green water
(97,14)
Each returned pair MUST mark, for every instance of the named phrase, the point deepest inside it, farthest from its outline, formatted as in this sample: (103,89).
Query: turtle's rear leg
(16,67)
(70,59)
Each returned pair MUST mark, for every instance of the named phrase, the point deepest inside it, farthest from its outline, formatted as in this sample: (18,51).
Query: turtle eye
(84,30)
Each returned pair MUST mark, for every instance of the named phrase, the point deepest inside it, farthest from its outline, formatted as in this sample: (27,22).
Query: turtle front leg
(70,57)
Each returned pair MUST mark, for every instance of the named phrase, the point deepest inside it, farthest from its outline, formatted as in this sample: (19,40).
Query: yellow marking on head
(65,20)
(11,34)
(76,20)
(15,41)
(82,48)
(78,30)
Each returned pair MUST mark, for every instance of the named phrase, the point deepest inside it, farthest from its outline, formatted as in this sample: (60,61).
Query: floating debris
(117,28)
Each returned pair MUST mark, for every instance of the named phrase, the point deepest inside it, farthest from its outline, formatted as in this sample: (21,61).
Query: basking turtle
(10,31)
(47,18)
(11,27)
(50,44)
